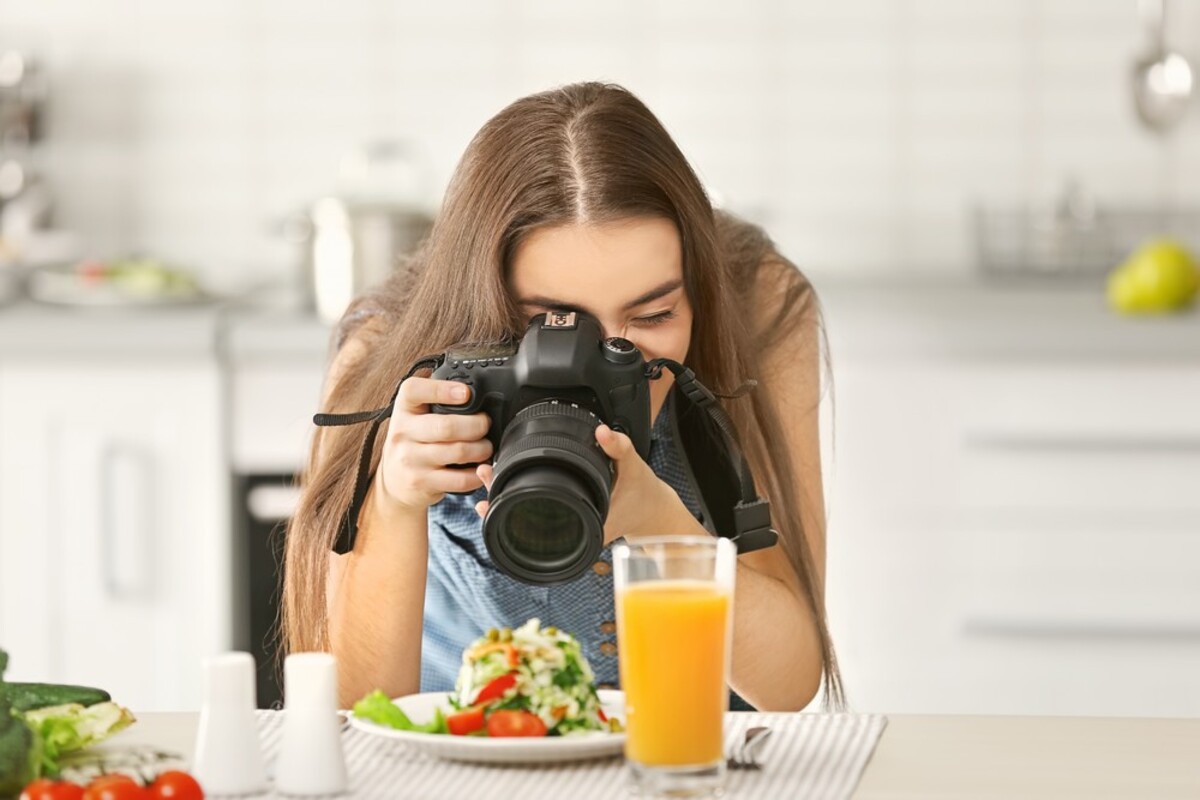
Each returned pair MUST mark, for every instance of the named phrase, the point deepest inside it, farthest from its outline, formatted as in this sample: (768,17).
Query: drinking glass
(674,603)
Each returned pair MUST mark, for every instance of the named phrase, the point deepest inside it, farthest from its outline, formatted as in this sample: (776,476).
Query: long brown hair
(587,152)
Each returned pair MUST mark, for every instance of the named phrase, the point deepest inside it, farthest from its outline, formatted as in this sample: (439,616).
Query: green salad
(528,681)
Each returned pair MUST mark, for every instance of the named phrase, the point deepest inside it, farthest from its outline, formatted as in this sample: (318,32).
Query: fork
(745,755)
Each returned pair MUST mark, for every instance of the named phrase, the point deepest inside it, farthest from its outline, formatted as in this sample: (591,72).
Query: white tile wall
(858,131)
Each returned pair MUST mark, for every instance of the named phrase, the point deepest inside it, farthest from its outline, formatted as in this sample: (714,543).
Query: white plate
(64,286)
(519,750)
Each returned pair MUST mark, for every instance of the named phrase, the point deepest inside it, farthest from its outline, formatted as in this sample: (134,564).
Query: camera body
(552,481)
(565,357)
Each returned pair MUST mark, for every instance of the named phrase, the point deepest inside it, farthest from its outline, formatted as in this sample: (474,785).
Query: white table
(931,757)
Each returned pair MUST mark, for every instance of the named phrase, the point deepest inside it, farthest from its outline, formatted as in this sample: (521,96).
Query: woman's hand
(641,501)
(413,472)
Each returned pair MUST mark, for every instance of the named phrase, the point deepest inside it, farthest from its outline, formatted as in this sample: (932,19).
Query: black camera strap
(348,531)
(751,514)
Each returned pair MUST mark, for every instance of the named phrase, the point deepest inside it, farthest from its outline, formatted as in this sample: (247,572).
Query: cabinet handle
(1056,629)
(270,503)
(117,460)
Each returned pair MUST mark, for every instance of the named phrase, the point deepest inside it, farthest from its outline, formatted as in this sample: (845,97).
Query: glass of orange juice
(674,598)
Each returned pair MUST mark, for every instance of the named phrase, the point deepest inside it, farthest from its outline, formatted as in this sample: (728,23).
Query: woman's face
(627,274)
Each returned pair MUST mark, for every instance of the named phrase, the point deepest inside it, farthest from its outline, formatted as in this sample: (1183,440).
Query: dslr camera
(545,397)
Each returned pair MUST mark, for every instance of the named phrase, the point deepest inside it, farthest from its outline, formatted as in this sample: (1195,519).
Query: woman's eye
(656,319)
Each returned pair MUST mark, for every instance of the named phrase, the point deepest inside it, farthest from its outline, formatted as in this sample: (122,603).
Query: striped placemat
(807,755)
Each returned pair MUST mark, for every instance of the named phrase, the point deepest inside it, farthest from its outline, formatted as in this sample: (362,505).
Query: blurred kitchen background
(189,191)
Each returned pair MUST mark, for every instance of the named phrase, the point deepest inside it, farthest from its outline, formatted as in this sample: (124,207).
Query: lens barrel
(550,494)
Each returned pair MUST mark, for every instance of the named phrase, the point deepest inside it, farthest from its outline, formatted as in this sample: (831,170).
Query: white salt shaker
(311,761)
(228,758)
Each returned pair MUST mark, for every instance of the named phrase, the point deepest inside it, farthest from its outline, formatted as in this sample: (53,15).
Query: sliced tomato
(515,723)
(514,656)
(602,715)
(496,688)
(464,722)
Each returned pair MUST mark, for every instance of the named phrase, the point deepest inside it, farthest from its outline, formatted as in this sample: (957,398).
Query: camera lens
(543,525)
(549,499)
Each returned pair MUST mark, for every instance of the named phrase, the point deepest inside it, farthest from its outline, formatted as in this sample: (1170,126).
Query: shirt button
(606,686)
(602,568)
(608,648)
(608,627)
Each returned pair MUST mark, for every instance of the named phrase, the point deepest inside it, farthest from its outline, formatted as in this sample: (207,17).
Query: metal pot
(351,246)
(356,237)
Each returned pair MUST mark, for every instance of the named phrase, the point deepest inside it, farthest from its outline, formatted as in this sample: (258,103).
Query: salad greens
(33,742)
(528,681)
(69,728)
(379,708)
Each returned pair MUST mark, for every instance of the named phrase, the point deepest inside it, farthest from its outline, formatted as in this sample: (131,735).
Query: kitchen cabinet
(115,554)
(1015,534)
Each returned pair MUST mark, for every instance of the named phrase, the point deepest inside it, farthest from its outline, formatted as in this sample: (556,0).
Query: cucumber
(29,696)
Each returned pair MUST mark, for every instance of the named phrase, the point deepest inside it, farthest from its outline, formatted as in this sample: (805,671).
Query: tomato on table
(466,721)
(176,785)
(515,723)
(115,787)
(44,789)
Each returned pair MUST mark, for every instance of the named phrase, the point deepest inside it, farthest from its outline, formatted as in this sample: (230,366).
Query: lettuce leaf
(378,708)
(69,728)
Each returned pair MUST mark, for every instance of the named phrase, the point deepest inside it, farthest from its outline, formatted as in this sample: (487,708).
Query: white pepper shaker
(311,761)
(228,758)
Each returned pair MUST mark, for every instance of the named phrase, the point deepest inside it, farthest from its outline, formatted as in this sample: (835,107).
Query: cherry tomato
(496,688)
(515,723)
(114,787)
(92,271)
(465,722)
(45,789)
(65,790)
(175,785)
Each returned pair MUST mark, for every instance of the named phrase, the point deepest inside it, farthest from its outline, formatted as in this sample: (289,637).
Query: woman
(574,198)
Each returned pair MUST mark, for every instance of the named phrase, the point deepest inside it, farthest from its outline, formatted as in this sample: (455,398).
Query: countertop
(932,757)
(971,318)
(885,318)
(235,330)
(29,329)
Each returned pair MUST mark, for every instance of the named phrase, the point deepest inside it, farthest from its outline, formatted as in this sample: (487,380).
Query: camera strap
(726,479)
(348,531)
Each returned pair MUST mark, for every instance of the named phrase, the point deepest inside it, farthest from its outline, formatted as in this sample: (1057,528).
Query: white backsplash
(858,130)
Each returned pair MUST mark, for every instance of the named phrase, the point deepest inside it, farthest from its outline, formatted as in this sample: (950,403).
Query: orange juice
(673,650)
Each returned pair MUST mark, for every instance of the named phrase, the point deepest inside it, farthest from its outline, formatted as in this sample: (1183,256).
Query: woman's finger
(417,393)
(616,446)
(481,508)
(452,480)
(440,454)
(447,427)
(486,475)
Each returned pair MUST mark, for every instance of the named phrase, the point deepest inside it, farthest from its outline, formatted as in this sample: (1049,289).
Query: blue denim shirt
(466,594)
